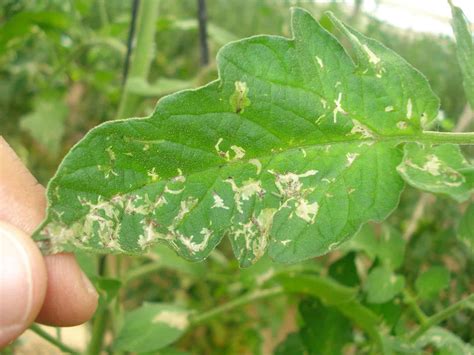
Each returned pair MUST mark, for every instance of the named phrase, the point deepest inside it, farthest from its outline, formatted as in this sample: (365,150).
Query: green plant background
(61,73)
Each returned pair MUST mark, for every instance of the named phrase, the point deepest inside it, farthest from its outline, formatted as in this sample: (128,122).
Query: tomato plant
(302,147)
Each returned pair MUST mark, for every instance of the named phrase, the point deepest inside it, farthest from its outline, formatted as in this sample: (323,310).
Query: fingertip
(23,280)
(70,297)
(23,199)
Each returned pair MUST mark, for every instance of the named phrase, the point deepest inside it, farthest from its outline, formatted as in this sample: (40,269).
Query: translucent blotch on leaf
(239,99)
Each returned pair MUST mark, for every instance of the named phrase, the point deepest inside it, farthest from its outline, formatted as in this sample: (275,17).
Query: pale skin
(50,290)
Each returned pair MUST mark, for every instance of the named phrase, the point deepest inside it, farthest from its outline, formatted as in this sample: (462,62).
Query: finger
(22,282)
(70,298)
(23,204)
(22,201)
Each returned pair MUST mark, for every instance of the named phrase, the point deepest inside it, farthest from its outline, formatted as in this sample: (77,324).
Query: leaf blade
(269,157)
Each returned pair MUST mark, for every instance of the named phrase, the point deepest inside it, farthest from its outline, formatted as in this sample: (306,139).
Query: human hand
(51,290)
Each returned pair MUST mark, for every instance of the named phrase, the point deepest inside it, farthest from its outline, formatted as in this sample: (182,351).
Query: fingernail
(88,285)
(16,285)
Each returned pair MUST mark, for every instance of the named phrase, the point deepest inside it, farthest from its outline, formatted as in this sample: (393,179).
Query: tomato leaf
(290,151)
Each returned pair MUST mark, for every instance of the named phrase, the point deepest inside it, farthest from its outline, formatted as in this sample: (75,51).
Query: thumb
(22,282)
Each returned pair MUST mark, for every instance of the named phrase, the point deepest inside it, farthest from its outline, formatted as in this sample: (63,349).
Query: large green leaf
(291,150)
(465,50)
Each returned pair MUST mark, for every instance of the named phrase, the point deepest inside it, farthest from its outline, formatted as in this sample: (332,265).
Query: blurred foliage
(61,73)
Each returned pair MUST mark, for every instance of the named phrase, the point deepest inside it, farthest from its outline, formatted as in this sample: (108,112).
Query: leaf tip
(298,15)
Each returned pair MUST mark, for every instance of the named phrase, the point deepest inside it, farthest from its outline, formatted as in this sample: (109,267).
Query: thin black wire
(130,39)
(202,18)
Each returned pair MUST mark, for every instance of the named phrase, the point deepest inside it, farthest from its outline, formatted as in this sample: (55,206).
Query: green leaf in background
(382,285)
(167,351)
(325,329)
(390,312)
(332,294)
(167,258)
(107,287)
(432,281)
(261,272)
(465,50)
(445,342)
(441,169)
(388,245)
(365,240)
(391,248)
(151,327)
(292,345)
(27,22)
(399,346)
(344,270)
(466,227)
(46,122)
(290,152)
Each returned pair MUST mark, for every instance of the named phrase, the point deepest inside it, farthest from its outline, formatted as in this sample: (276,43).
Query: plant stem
(237,302)
(104,18)
(441,316)
(142,55)
(52,340)
(100,318)
(411,302)
(141,271)
(98,331)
